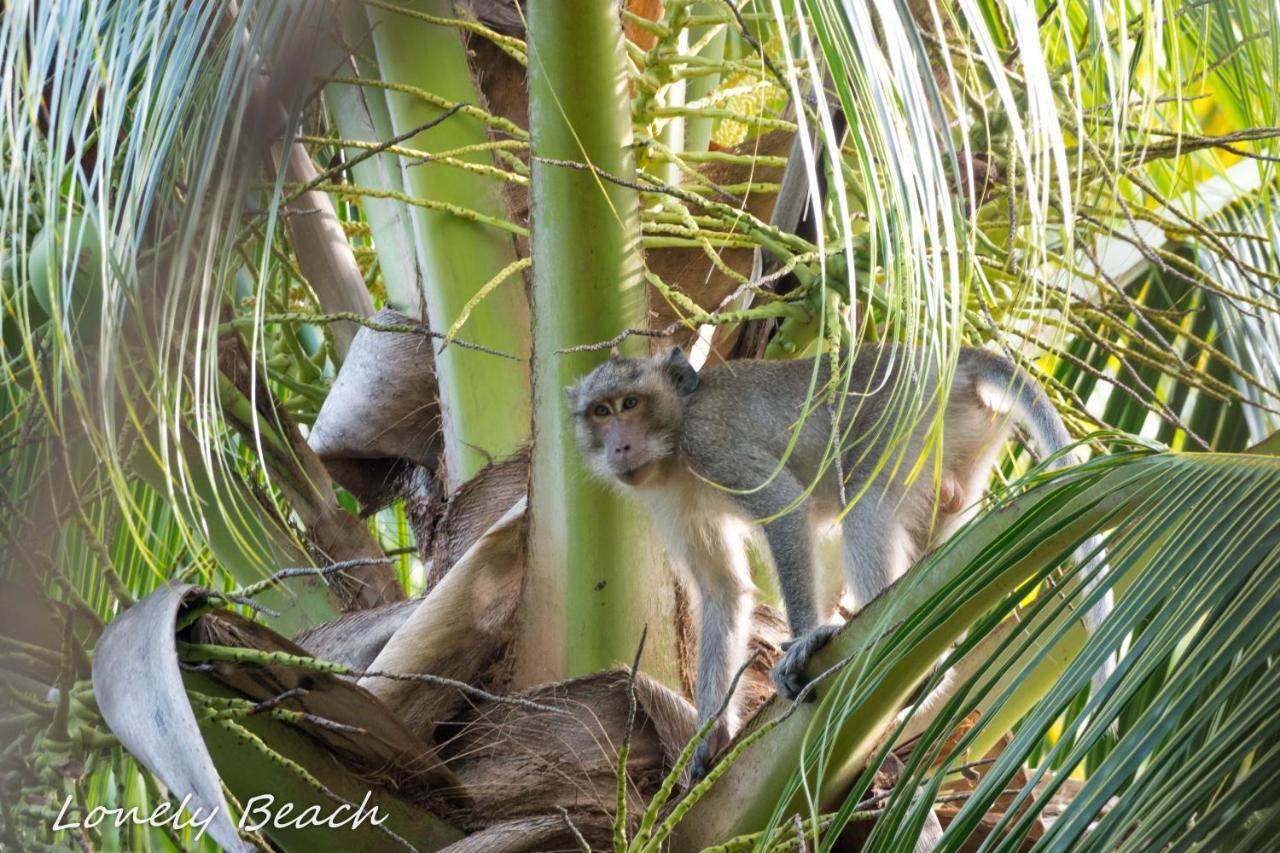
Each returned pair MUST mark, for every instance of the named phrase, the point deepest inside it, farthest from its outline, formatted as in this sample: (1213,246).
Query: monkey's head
(627,414)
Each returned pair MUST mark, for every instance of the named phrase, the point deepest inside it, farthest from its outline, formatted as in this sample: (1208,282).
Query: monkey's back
(884,421)
(721,409)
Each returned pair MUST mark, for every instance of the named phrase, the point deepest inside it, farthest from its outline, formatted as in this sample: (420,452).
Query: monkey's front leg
(874,556)
(791,543)
(789,675)
(722,645)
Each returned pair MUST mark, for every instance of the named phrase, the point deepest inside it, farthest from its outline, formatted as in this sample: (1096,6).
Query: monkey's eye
(601,411)
(630,403)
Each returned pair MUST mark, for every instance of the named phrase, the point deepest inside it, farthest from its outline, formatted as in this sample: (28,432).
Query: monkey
(710,455)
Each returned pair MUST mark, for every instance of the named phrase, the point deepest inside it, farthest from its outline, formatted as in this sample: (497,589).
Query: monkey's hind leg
(876,553)
(877,548)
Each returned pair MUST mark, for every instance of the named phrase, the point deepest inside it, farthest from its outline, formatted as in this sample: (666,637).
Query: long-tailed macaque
(711,454)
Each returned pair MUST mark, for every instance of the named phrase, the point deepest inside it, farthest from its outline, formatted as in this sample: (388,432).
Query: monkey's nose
(626,448)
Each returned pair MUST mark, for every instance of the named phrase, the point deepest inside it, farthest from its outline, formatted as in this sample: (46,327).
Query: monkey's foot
(788,675)
(704,757)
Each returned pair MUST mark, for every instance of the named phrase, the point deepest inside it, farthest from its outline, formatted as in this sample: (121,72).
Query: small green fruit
(71,283)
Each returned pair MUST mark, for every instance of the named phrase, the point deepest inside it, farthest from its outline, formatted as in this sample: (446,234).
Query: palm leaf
(1197,586)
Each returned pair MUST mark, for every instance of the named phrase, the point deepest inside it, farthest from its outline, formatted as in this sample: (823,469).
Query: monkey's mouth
(638,475)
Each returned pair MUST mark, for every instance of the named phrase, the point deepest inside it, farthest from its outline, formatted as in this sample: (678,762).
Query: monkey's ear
(680,371)
(572,395)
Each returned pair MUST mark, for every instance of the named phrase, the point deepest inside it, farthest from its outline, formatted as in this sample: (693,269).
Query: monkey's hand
(705,755)
(788,675)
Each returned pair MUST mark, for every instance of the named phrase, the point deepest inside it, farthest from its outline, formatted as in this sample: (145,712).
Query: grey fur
(732,429)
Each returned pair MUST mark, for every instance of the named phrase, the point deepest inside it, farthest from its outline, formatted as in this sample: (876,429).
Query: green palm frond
(1194,553)
(1055,157)
(1198,586)
(130,146)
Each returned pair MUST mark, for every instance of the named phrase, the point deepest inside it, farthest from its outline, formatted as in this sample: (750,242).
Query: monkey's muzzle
(639,475)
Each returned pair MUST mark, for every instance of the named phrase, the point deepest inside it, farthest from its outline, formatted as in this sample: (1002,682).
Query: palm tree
(291,292)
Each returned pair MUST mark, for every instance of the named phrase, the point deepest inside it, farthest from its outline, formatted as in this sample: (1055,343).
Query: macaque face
(620,427)
(626,417)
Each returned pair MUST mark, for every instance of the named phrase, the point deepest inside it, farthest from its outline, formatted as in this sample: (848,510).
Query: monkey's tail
(1006,388)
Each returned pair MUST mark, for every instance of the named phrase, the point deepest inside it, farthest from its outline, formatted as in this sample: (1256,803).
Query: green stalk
(361,114)
(484,399)
(697,130)
(589,580)
(681,133)
(1033,683)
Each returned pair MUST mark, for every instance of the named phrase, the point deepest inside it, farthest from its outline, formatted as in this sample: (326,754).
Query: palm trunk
(361,115)
(590,579)
(484,398)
